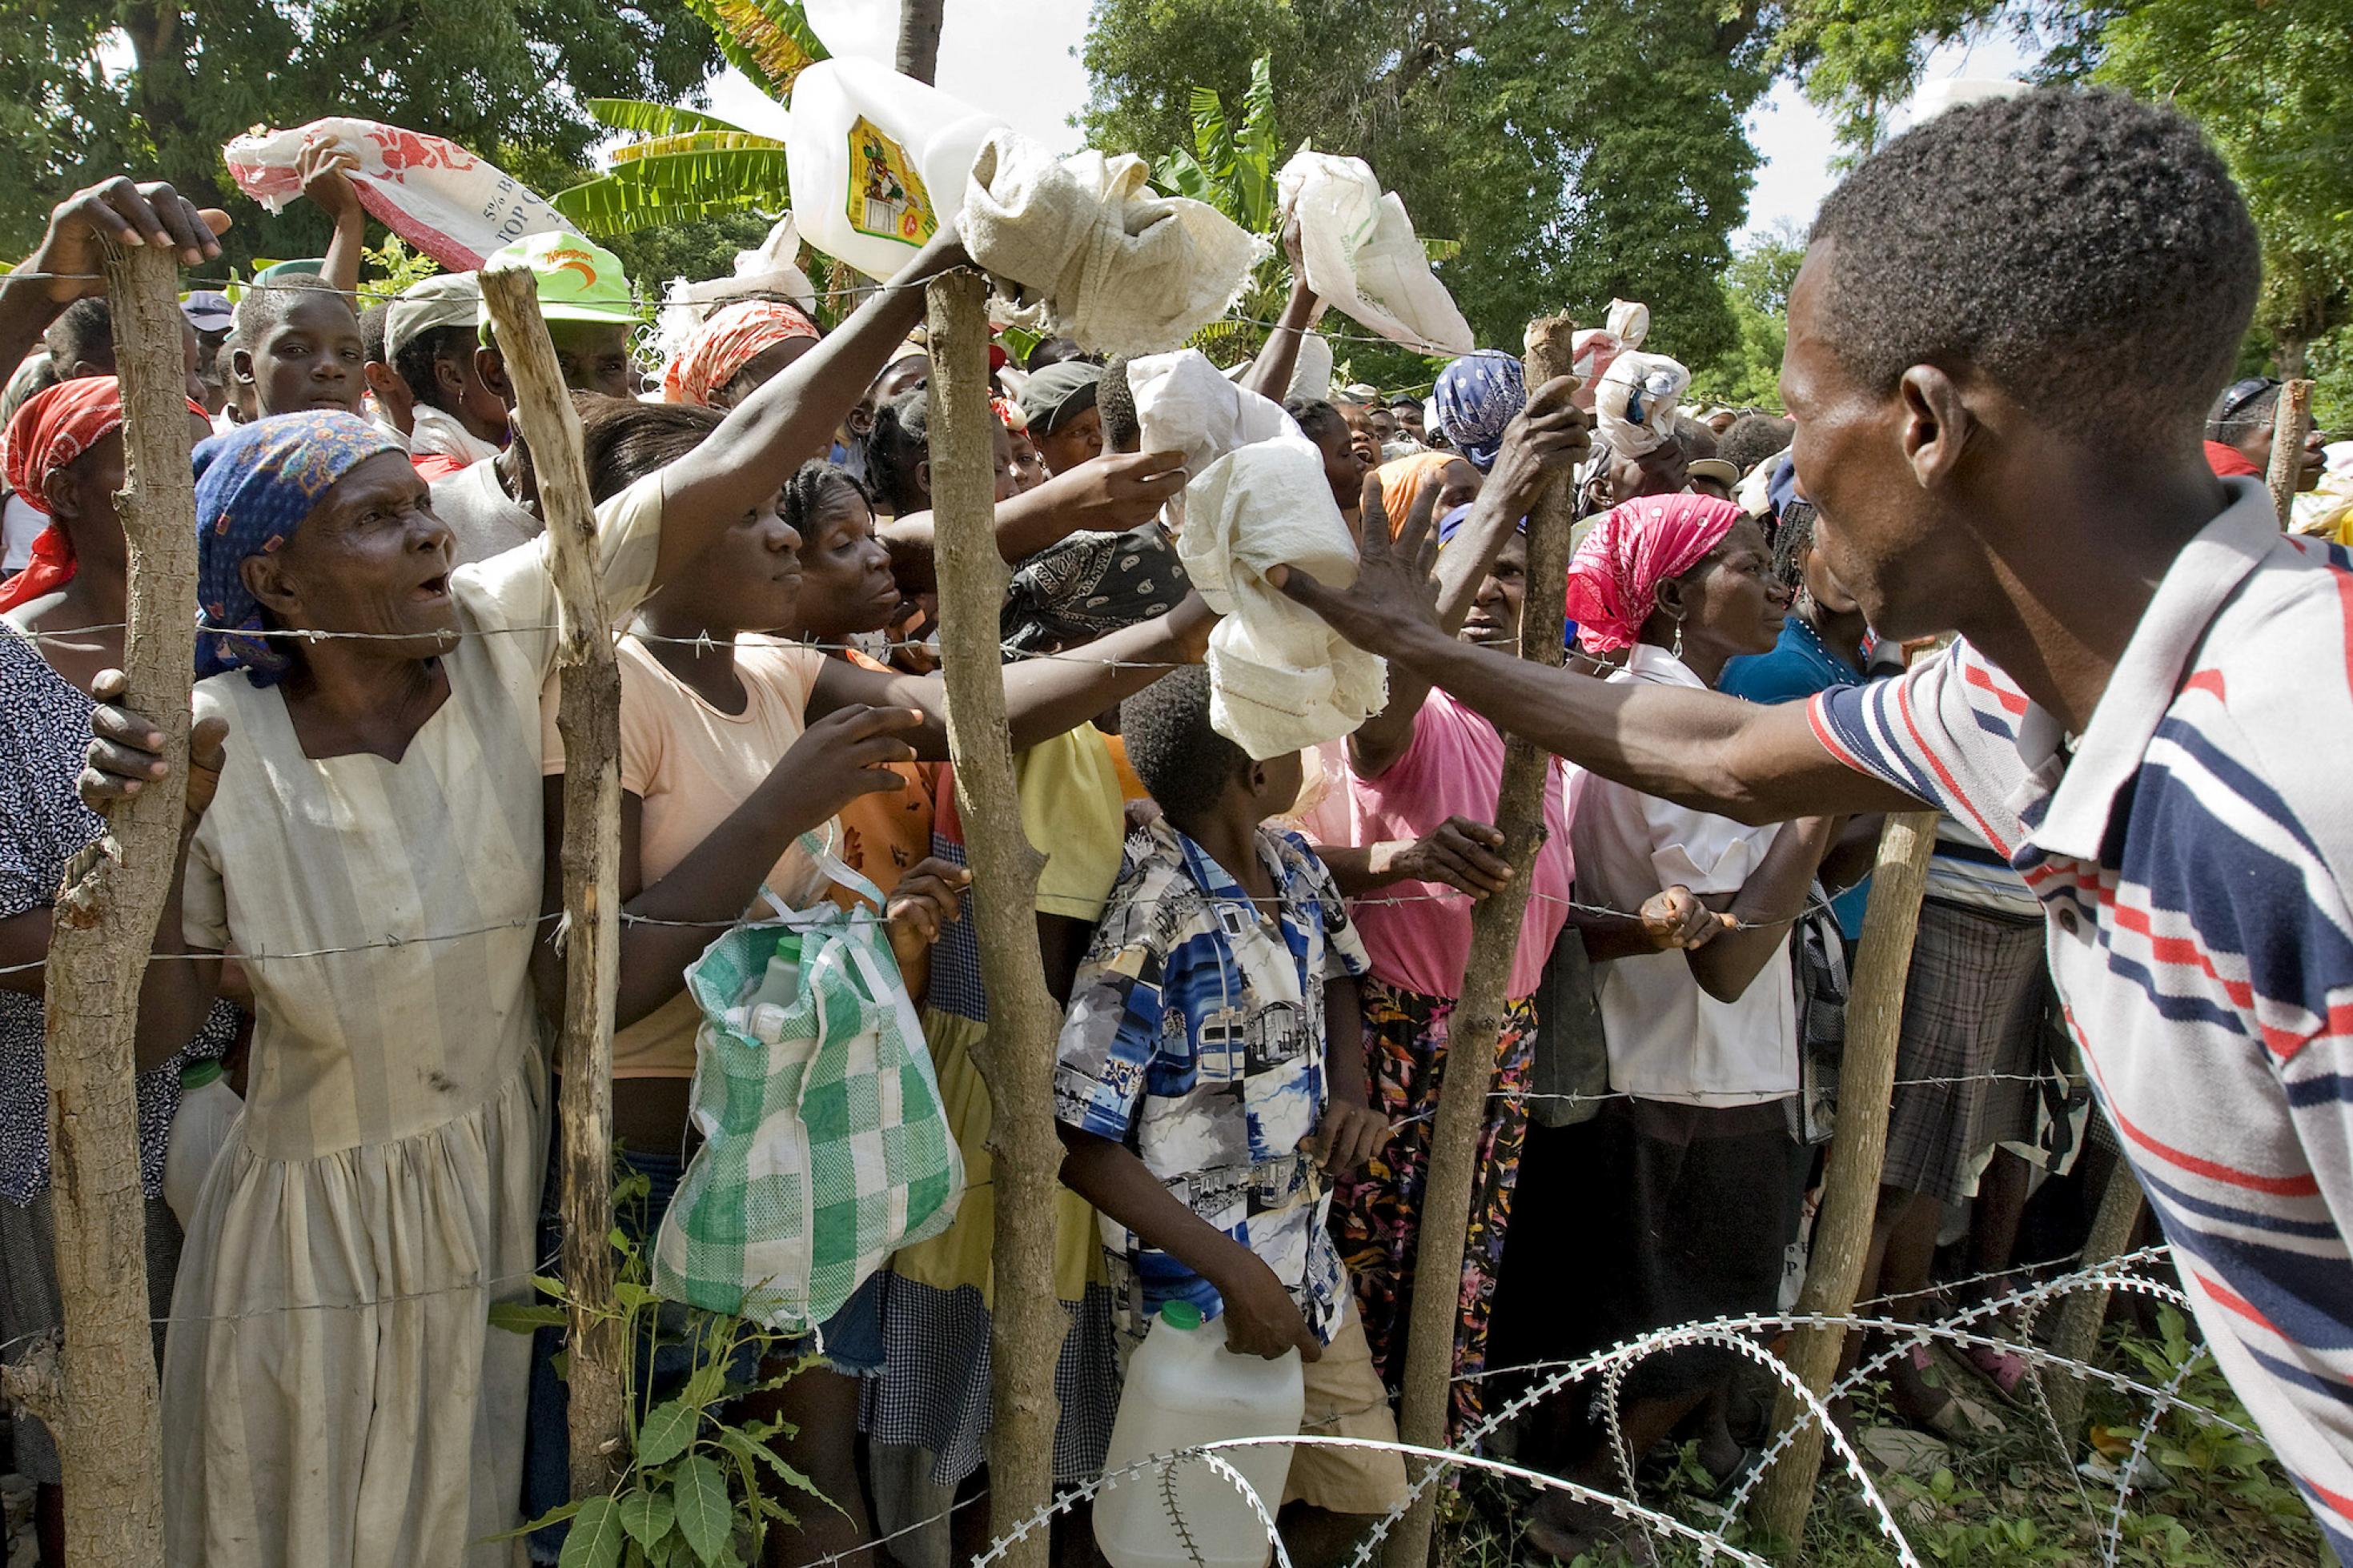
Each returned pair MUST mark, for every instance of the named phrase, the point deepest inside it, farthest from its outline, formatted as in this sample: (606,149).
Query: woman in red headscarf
(62,624)
(1689,1177)
(736,350)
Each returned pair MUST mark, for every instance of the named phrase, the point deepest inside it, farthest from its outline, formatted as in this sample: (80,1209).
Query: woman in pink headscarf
(1690,1177)
(736,350)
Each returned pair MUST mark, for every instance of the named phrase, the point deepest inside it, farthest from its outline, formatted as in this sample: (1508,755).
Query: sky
(1019,58)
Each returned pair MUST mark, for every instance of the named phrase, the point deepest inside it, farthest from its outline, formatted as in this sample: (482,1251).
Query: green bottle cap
(1180,1315)
(196,1075)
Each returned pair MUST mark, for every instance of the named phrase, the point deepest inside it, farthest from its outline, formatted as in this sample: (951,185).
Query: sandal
(1955,1417)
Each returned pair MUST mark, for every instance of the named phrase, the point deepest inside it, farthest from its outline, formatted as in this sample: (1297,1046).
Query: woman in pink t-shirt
(1404,827)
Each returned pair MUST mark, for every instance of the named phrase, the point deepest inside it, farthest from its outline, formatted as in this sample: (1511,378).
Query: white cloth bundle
(1635,404)
(436,433)
(1280,679)
(1183,404)
(1361,254)
(1311,375)
(432,193)
(773,267)
(1593,349)
(1084,247)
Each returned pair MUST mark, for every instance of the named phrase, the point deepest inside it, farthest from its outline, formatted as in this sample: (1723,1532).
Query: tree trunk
(1018,1059)
(106,1417)
(1859,1147)
(1478,1017)
(588,715)
(2289,353)
(919,38)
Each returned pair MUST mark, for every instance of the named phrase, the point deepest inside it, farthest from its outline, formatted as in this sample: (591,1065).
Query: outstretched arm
(1700,749)
(324,170)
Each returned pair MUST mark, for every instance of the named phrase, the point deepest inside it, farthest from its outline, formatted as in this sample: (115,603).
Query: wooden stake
(106,1416)
(1478,1018)
(588,715)
(1017,1060)
(1850,1182)
(2291,423)
(2077,1334)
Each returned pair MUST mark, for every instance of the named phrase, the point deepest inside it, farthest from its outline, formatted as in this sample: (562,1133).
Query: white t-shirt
(1669,1040)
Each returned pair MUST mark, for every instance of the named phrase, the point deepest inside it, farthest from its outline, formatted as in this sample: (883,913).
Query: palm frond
(677,186)
(652,147)
(768,40)
(652,119)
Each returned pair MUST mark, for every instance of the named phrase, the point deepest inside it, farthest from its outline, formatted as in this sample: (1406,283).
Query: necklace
(1816,637)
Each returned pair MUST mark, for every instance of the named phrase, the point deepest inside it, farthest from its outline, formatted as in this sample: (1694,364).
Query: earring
(1676,652)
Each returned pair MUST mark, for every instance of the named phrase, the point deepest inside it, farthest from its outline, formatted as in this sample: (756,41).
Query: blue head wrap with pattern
(1475,397)
(254,488)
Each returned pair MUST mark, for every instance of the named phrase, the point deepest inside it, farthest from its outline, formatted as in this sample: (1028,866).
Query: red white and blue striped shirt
(2192,856)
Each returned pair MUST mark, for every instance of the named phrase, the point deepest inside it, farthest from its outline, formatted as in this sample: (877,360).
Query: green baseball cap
(577,279)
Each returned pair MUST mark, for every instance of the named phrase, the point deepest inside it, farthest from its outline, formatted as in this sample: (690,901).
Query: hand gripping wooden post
(1874,1023)
(588,715)
(104,1409)
(1017,1061)
(1478,1017)
(2291,423)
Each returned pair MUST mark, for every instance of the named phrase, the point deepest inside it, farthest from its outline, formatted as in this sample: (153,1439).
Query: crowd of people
(2136,893)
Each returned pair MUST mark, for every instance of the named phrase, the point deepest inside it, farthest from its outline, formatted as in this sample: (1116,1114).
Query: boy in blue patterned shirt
(1199,1106)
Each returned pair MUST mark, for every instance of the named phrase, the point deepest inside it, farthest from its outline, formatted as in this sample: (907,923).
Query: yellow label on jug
(887,199)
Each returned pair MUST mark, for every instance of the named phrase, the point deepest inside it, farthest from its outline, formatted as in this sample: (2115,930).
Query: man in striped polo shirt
(2001,347)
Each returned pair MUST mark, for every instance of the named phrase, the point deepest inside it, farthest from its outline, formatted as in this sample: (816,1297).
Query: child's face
(311,358)
(1028,468)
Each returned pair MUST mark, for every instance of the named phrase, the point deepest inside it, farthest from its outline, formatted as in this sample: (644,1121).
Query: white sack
(1084,247)
(1635,404)
(434,194)
(1360,254)
(772,268)
(1280,679)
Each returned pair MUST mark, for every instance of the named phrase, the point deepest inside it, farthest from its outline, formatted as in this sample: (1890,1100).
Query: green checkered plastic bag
(825,1147)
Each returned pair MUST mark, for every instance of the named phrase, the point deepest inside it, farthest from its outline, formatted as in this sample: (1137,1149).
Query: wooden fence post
(1017,1060)
(1478,1018)
(1850,1182)
(588,715)
(2076,1335)
(106,1414)
(2291,423)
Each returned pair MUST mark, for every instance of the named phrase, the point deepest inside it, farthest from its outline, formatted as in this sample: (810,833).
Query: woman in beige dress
(333,1394)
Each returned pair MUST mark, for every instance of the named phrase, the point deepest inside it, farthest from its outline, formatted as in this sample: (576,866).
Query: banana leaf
(652,119)
(678,187)
(655,147)
(768,40)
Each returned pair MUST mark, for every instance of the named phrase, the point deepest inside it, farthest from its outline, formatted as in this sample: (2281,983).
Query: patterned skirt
(1377,1214)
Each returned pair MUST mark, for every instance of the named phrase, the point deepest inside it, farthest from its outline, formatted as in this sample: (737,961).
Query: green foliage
(2272,83)
(691,1491)
(1756,292)
(1574,154)
(768,40)
(686,166)
(1230,168)
(389,267)
(190,75)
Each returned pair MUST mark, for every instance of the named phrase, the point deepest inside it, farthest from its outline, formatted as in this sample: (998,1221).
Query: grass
(2215,1500)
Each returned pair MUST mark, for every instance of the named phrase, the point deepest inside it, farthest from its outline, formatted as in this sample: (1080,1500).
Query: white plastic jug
(877,160)
(208,1109)
(1185,1388)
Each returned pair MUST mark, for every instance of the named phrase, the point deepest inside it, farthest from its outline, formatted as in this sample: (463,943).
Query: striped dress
(2191,857)
(333,1396)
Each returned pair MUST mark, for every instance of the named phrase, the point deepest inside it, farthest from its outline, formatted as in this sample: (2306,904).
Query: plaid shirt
(1196,1038)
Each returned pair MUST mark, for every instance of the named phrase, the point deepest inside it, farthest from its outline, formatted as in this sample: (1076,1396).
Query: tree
(1576,155)
(919,38)
(1756,292)
(89,87)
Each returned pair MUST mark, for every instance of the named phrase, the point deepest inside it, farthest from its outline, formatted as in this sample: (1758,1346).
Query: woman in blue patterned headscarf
(254,488)
(1475,397)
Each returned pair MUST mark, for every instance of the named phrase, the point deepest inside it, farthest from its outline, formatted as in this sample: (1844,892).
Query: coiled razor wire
(1740,1335)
